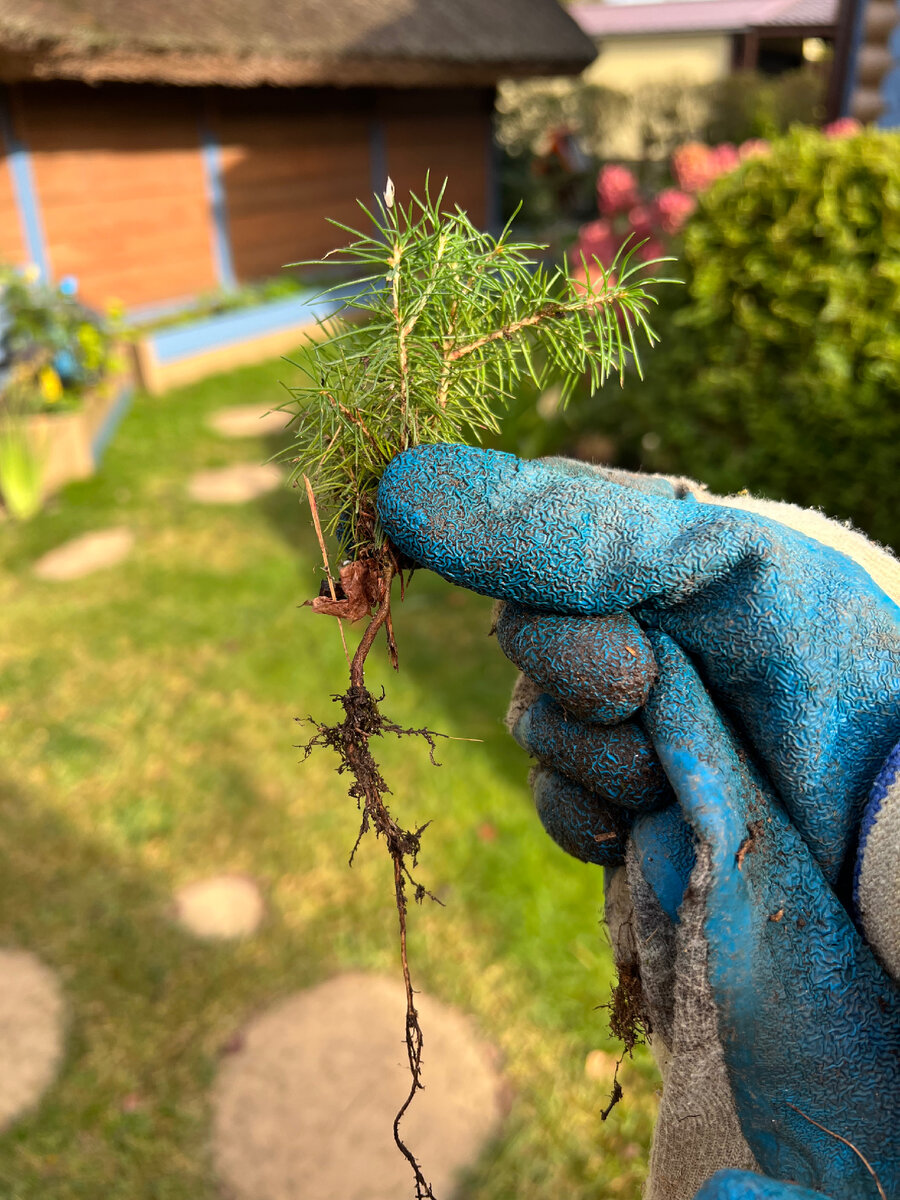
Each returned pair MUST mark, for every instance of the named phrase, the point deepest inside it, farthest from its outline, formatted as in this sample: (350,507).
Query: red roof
(701,16)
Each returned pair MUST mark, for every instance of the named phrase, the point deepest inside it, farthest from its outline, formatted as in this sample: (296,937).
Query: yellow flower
(91,346)
(50,385)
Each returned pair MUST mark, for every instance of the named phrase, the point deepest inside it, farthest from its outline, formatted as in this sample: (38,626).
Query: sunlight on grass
(147,724)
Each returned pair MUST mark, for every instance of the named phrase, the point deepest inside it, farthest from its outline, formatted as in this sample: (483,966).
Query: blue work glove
(742,1185)
(800,651)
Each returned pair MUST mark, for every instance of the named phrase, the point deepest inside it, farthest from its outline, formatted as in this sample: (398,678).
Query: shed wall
(292,159)
(445,137)
(126,176)
(289,161)
(121,189)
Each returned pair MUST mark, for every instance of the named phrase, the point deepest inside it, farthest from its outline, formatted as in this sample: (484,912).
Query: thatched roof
(289,42)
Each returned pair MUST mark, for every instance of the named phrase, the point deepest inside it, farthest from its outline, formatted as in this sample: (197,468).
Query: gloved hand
(801,653)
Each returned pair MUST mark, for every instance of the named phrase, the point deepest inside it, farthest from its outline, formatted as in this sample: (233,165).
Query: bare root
(350,740)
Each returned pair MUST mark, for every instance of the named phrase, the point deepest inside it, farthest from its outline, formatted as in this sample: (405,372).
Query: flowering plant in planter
(56,357)
(53,345)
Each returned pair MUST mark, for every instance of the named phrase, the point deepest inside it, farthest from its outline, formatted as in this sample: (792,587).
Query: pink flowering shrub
(652,221)
(673,208)
(842,127)
(617,190)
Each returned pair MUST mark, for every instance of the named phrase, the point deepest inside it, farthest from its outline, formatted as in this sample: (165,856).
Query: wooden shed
(155,149)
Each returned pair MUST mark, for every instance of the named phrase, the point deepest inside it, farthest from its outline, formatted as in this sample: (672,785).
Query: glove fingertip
(599,668)
(578,822)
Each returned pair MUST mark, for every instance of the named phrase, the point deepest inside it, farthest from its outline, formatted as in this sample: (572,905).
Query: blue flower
(66,366)
(68,285)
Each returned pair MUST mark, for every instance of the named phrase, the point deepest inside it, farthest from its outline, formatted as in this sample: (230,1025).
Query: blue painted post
(859,13)
(215,191)
(24,191)
(890,88)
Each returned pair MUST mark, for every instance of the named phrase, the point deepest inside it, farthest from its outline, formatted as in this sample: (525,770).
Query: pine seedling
(454,320)
(443,324)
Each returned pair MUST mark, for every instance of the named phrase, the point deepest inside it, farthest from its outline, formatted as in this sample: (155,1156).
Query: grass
(148,737)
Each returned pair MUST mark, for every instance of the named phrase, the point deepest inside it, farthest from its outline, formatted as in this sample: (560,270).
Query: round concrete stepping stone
(235,485)
(84,555)
(223,906)
(248,420)
(31,1032)
(304,1109)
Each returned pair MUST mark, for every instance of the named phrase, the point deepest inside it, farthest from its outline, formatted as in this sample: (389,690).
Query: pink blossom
(692,166)
(616,189)
(651,249)
(597,240)
(640,218)
(696,166)
(674,207)
(724,158)
(843,127)
(754,148)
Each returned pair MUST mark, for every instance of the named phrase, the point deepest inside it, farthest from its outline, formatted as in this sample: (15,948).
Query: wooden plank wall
(289,161)
(292,159)
(122,190)
(446,135)
(12,240)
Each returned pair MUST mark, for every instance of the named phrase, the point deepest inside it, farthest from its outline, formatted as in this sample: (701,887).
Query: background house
(697,41)
(154,150)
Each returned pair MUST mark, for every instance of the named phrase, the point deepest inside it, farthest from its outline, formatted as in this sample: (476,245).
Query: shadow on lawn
(141,993)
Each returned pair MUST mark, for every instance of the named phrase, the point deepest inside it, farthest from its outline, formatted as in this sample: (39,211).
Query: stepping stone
(86,554)
(224,906)
(235,485)
(31,1032)
(248,420)
(304,1108)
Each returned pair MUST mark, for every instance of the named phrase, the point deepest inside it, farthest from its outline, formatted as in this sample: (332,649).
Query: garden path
(83,555)
(31,1031)
(248,420)
(235,484)
(220,907)
(303,1108)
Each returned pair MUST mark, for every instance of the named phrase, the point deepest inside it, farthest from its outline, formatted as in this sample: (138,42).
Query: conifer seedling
(443,324)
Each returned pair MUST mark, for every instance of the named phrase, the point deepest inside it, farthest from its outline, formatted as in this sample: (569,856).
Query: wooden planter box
(184,353)
(71,444)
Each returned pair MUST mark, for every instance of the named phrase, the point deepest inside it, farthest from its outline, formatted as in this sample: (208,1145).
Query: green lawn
(147,725)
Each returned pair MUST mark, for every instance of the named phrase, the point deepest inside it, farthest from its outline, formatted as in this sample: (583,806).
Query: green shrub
(779,369)
(749,105)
